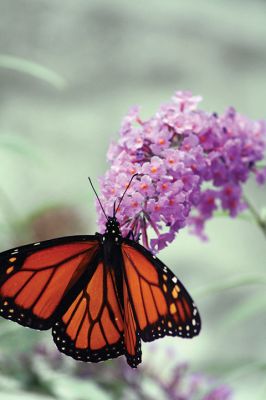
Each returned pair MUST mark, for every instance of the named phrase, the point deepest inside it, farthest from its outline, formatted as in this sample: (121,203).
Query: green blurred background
(69,71)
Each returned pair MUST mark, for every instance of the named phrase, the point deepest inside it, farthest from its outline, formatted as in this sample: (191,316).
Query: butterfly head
(112,227)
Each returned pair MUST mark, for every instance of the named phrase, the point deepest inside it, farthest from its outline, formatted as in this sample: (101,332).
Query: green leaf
(232,284)
(241,312)
(19,145)
(9,383)
(7,328)
(22,395)
(261,165)
(16,338)
(230,369)
(246,369)
(263,214)
(31,68)
(64,386)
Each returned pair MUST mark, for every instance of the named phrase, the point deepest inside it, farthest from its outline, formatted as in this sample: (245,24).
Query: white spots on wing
(174,279)
(36,244)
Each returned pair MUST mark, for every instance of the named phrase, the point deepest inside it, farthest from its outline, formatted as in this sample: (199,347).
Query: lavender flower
(47,369)
(220,393)
(190,164)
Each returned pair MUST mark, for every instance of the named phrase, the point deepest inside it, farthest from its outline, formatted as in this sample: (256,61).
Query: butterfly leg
(131,236)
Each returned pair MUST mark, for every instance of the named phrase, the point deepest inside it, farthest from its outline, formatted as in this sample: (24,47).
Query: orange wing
(131,334)
(35,278)
(91,329)
(160,303)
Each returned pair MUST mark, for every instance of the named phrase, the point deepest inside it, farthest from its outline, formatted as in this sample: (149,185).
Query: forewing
(161,304)
(36,279)
(92,327)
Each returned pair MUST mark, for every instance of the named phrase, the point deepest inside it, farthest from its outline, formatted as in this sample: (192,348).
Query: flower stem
(261,223)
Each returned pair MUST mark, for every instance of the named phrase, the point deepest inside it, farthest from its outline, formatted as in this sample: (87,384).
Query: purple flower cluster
(119,380)
(190,164)
(182,385)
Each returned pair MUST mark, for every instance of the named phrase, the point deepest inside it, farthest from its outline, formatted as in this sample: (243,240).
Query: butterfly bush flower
(113,379)
(190,163)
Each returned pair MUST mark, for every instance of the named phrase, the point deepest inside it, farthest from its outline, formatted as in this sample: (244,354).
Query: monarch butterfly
(101,294)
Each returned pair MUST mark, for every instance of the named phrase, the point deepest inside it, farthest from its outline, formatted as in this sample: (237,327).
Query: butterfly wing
(64,283)
(35,278)
(91,329)
(160,303)
(131,333)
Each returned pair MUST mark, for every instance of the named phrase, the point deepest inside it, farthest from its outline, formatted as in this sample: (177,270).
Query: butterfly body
(101,295)
(111,242)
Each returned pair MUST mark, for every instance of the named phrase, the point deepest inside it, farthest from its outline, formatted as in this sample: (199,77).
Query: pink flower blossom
(190,164)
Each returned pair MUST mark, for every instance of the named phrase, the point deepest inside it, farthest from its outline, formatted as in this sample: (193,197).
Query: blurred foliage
(33,69)
(45,371)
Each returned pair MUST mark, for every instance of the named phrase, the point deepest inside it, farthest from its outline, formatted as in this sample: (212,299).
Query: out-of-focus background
(69,71)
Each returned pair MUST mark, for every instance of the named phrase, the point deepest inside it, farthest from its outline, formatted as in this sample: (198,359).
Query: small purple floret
(190,164)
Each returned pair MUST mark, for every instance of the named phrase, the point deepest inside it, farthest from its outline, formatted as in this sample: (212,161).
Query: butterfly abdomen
(112,259)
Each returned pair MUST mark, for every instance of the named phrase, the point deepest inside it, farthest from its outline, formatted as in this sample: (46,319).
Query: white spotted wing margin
(96,327)
(92,328)
(161,304)
(62,283)
(36,279)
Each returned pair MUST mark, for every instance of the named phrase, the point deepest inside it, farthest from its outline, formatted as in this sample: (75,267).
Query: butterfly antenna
(97,197)
(132,177)
(114,209)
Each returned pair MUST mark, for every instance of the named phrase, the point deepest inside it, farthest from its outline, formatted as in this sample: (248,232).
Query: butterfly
(100,294)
